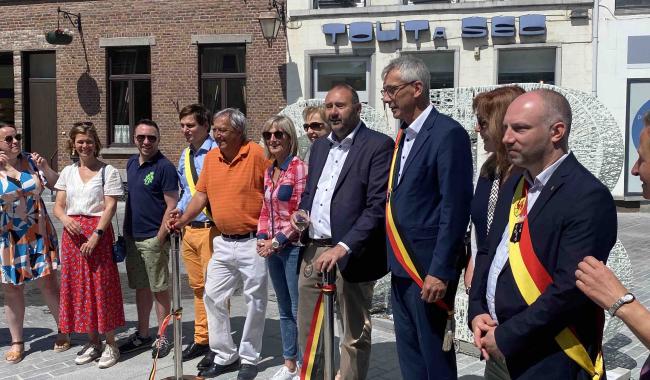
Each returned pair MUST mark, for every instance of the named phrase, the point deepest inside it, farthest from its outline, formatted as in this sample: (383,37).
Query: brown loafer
(62,344)
(13,356)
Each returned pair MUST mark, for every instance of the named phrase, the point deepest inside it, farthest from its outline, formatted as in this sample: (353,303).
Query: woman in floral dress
(28,243)
(91,296)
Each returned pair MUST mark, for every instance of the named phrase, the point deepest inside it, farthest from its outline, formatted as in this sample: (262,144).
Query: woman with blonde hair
(28,243)
(86,200)
(284,183)
(316,124)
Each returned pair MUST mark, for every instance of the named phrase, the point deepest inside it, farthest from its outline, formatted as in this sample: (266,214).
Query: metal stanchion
(177,311)
(329,289)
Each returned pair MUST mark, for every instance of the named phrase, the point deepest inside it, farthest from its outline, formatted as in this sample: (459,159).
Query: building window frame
(131,80)
(315,4)
(449,49)
(222,77)
(558,58)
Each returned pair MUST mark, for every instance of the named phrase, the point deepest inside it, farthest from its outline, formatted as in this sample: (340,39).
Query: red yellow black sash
(311,346)
(190,177)
(401,250)
(532,278)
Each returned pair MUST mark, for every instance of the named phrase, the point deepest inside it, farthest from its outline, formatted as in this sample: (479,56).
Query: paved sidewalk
(42,363)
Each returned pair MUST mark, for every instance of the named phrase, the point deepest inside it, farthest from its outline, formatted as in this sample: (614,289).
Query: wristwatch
(99,232)
(275,244)
(627,298)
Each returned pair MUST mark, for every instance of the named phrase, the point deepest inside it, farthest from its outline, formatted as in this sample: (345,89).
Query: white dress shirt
(411,132)
(501,254)
(320,227)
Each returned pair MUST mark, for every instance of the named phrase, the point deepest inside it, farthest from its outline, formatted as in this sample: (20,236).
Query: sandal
(62,344)
(14,357)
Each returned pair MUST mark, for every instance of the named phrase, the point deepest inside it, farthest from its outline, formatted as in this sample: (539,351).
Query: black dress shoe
(217,369)
(194,350)
(247,372)
(207,361)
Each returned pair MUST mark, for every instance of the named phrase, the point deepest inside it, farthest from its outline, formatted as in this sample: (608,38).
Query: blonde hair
(85,128)
(320,110)
(284,124)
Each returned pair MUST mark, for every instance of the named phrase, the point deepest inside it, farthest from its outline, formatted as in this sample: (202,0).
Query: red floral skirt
(91,295)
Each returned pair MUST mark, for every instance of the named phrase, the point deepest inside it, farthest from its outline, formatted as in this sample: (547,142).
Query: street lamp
(271,21)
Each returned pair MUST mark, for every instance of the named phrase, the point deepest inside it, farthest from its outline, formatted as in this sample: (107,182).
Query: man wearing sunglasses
(430,191)
(153,193)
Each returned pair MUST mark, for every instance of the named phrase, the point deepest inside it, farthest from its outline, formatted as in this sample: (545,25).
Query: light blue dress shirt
(199,157)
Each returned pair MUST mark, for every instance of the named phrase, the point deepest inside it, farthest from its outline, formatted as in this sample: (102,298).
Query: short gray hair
(411,68)
(237,120)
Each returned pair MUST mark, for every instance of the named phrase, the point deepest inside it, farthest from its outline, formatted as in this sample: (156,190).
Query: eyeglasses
(82,123)
(152,139)
(279,135)
(10,139)
(391,91)
(315,126)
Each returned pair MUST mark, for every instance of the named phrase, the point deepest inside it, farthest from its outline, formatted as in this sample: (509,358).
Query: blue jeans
(283,268)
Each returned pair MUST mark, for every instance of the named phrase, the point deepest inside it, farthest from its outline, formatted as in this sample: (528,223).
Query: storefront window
(129,91)
(331,71)
(632,4)
(526,66)
(6,88)
(223,77)
(441,67)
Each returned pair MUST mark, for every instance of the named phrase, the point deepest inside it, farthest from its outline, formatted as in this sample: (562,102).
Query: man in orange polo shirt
(232,180)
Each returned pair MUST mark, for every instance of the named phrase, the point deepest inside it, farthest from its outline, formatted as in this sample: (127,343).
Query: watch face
(628,298)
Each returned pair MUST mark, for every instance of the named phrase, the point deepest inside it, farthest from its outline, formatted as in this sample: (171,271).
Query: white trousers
(231,261)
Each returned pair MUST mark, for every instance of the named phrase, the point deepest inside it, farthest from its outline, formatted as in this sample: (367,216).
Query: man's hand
(173,220)
(328,259)
(598,282)
(480,326)
(433,289)
(489,344)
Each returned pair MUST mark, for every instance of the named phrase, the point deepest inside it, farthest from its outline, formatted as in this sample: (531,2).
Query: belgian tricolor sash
(532,278)
(307,371)
(400,246)
(192,178)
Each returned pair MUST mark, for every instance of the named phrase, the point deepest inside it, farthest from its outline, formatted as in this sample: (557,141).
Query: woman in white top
(91,296)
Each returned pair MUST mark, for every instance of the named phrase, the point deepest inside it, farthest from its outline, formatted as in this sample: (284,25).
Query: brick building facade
(161,41)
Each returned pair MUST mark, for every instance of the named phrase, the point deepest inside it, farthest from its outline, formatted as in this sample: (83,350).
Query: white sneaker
(88,354)
(284,374)
(109,357)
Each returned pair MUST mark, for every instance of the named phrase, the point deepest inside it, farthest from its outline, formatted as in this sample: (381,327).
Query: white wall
(613,70)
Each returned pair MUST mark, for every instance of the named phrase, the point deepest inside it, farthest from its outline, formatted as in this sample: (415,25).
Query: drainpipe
(594,45)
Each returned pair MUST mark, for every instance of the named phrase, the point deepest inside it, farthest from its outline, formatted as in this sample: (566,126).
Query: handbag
(119,245)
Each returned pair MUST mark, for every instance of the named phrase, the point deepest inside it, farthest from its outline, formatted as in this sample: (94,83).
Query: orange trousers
(197,251)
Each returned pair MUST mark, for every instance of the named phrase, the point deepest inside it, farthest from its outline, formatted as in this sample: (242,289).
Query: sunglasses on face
(152,139)
(315,126)
(10,139)
(279,135)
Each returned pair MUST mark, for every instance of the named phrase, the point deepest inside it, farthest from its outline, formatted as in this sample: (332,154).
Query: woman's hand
(88,247)
(40,161)
(72,226)
(598,282)
(264,248)
(3,159)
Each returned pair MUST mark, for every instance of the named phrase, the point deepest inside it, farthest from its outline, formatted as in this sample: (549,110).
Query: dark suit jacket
(573,217)
(432,201)
(357,213)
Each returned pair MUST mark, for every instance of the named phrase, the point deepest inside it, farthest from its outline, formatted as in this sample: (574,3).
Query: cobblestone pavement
(624,350)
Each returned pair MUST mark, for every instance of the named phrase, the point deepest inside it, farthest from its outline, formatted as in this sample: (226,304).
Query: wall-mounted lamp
(271,21)
(63,36)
